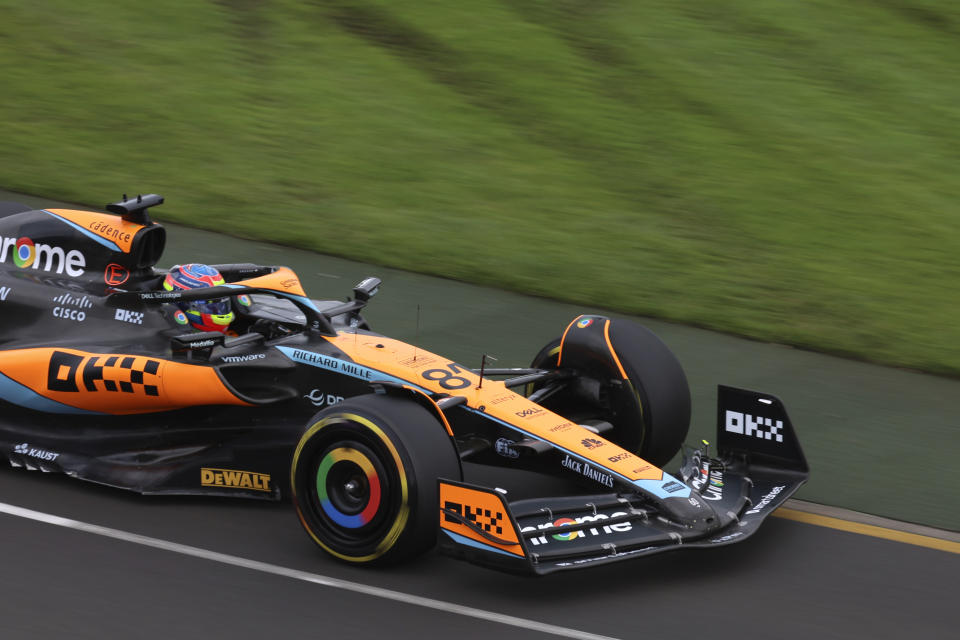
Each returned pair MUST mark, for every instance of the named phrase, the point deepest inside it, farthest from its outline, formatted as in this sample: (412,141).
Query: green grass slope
(784,171)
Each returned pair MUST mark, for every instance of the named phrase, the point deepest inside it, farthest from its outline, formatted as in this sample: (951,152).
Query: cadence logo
(26,254)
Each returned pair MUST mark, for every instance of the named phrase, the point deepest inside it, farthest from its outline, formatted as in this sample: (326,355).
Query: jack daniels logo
(64,367)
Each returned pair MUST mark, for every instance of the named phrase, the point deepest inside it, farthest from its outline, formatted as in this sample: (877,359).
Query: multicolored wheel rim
(380,518)
(348,487)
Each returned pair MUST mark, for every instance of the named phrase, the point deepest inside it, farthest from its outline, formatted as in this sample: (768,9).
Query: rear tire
(364,478)
(654,422)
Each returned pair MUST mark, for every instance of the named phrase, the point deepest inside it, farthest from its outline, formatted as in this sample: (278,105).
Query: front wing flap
(742,486)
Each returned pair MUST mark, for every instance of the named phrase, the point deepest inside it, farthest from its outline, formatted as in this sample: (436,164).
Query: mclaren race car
(102,379)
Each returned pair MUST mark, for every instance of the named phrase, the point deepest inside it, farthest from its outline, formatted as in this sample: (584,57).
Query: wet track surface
(791,580)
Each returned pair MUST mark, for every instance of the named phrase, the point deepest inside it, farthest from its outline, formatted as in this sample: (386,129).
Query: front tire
(651,414)
(364,478)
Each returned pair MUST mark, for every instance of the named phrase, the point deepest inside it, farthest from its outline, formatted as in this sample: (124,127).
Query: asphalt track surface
(791,580)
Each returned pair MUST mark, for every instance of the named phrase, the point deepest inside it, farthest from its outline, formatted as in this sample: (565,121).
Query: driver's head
(206,315)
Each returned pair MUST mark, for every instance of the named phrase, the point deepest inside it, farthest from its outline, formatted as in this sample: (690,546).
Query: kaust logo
(43,257)
(25,449)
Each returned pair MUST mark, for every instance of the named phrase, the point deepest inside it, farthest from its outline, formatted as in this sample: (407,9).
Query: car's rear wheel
(649,410)
(364,478)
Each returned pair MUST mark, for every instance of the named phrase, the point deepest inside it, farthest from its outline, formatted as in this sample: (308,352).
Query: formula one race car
(101,379)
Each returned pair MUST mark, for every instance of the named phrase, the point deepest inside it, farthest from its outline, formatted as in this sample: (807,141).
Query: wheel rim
(350,487)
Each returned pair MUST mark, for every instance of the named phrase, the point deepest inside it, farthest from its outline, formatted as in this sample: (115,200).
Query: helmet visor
(218,307)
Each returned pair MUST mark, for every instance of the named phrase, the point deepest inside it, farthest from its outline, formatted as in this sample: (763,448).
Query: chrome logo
(24,253)
(359,471)
(566,536)
(27,254)
(586,322)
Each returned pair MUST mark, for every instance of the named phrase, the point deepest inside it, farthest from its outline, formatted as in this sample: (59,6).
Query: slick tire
(364,479)
(657,429)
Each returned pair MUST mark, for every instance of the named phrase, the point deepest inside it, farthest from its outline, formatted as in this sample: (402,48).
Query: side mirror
(366,289)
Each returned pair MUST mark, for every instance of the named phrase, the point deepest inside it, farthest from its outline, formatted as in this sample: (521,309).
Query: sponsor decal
(587,471)
(586,532)
(160,295)
(563,426)
(29,255)
(618,554)
(202,344)
(115,275)
(672,487)
(114,374)
(714,490)
(591,443)
(418,360)
(25,449)
(765,500)
(110,232)
(712,480)
(289,282)
(180,317)
(694,502)
(526,413)
(322,361)
(245,358)
(642,468)
(619,457)
(234,479)
(505,448)
(4,292)
(319,399)
(502,399)
(244,300)
(747,425)
(133,317)
(728,537)
(584,323)
(65,301)
(487,519)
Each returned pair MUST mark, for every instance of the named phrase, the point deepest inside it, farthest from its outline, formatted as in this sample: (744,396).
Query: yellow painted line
(868,530)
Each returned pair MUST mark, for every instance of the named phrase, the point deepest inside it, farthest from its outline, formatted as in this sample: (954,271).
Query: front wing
(544,535)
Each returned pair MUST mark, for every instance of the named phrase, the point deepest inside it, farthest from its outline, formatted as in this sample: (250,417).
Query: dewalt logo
(234,479)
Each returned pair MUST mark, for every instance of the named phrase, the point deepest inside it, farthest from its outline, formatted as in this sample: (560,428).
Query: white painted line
(335,583)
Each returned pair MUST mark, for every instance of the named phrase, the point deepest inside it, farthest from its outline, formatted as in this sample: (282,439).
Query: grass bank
(787,173)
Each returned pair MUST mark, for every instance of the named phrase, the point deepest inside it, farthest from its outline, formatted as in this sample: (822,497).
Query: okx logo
(27,254)
(133,317)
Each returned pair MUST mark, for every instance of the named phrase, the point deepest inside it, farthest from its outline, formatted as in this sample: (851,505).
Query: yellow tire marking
(868,530)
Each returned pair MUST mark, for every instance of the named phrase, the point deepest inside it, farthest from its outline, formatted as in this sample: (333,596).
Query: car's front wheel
(364,478)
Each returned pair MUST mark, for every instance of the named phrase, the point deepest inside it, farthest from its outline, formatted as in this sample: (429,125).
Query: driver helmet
(205,315)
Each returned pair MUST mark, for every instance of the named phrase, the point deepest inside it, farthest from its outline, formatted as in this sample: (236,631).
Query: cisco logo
(71,307)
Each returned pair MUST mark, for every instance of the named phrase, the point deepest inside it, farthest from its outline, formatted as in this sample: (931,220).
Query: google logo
(566,536)
(27,254)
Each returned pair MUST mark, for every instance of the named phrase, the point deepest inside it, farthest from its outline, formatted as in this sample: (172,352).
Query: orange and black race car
(101,379)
